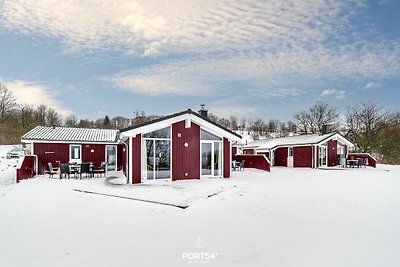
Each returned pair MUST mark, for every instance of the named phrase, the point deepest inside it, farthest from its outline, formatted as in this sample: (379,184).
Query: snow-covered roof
(68,134)
(267,144)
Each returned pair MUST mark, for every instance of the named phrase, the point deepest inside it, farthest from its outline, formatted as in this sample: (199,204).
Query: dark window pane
(204,135)
(162,133)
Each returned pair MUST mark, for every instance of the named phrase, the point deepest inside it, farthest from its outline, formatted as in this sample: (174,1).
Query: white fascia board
(30,141)
(338,137)
(165,123)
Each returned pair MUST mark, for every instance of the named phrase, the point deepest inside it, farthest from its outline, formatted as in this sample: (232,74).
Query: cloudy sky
(249,58)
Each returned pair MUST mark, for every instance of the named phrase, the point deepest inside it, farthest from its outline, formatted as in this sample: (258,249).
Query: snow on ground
(7,166)
(289,217)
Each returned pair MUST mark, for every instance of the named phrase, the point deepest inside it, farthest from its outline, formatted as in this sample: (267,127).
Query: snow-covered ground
(289,217)
(7,166)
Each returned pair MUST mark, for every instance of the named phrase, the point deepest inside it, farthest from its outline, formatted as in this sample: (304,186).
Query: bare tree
(364,124)
(316,117)
(242,125)
(7,102)
(303,121)
(52,118)
(233,123)
(71,121)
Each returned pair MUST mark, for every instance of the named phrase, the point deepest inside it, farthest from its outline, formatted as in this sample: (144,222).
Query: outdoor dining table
(352,162)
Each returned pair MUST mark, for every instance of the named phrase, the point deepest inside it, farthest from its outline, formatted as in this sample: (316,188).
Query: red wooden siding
(234,151)
(119,157)
(136,159)
(185,160)
(27,168)
(317,157)
(281,155)
(302,156)
(332,153)
(96,157)
(227,158)
(255,161)
(48,152)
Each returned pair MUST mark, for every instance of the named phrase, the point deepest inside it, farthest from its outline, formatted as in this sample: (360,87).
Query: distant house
(184,145)
(311,151)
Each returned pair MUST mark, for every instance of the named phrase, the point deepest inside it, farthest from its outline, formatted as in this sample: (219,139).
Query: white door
(290,157)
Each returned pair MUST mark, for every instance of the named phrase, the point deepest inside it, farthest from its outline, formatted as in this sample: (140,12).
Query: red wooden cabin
(311,151)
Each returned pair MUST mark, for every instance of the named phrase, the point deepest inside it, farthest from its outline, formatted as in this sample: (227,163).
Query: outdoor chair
(233,165)
(85,168)
(101,169)
(241,165)
(65,170)
(51,170)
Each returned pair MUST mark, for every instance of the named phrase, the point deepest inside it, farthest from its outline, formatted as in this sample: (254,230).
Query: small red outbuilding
(311,151)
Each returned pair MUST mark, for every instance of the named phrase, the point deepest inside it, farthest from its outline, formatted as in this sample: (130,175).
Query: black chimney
(326,129)
(203,111)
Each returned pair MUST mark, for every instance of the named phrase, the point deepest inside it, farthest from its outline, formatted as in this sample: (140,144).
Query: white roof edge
(339,136)
(28,141)
(164,123)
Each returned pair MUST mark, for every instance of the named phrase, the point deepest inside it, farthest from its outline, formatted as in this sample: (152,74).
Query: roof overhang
(338,137)
(29,141)
(188,118)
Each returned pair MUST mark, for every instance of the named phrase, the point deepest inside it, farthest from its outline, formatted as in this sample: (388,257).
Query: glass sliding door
(211,158)
(217,159)
(206,159)
(149,159)
(111,157)
(162,161)
(156,154)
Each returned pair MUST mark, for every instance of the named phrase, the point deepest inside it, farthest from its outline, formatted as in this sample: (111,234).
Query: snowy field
(289,217)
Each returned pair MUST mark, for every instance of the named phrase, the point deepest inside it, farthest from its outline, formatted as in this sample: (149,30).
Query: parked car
(15,152)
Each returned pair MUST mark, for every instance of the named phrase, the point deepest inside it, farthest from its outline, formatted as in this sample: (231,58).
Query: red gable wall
(185,160)
(332,152)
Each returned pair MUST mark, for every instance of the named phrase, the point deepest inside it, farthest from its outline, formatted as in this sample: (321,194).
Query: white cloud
(35,94)
(272,48)
(372,85)
(338,94)
(328,92)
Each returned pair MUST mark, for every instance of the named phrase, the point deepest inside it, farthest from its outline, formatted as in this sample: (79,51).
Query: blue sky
(255,59)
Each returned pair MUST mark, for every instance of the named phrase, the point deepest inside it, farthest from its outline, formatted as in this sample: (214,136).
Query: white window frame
(79,160)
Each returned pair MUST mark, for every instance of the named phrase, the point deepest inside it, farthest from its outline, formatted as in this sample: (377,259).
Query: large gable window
(75,154)
(204,135)
(161,133)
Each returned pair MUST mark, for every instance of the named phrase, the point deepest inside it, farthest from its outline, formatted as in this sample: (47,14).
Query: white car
(15,152)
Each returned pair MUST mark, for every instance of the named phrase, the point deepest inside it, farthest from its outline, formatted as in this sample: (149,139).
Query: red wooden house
(311,151)
(184,145)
